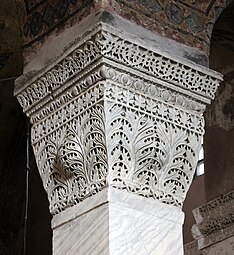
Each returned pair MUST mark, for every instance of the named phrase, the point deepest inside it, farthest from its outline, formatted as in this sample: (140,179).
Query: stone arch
(213,14)
(219,137)
(212,184)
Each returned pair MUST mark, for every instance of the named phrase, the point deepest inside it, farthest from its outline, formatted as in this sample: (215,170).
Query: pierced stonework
(114,112)
(149,157)
(102,43)
(72,159)
(215,221)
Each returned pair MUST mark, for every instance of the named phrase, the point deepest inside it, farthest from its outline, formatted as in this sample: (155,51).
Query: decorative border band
(104,43)
(215,220)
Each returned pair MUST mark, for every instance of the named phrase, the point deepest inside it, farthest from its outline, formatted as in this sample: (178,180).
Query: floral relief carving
(154,89)
(149,157)
(62,114)
(72,160)
(214,221)
(104,44)
(114,112)
(163,110)
(162,67)
(52,80)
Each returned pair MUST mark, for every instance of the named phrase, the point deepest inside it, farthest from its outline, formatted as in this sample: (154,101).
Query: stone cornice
(215,221)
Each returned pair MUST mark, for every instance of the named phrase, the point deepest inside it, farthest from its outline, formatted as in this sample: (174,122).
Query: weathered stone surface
(219,153)
(225,247)
(194,23)
(215,221)
(41,18)
(192,249)
(214,231)
(152,5)
(174,13)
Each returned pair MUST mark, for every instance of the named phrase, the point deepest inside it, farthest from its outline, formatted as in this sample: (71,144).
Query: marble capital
(114,111)
(117,125)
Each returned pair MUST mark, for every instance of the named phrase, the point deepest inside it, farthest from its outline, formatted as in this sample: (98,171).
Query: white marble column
(116,222)
(116,131)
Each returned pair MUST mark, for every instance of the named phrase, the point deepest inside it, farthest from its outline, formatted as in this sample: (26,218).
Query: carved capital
(116,112)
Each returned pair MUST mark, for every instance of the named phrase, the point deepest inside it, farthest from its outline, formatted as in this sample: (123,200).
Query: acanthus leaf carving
(115,113)
(150,157)
(72,160)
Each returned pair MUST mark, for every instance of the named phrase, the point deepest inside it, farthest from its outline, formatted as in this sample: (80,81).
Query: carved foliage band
(215,221)
(148,156)
(72,160)
(105,44)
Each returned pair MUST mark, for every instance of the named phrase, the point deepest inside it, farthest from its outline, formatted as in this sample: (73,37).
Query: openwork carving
(152,147)
(149,157)
(116,113)
(110,46)
(72,159)
(157,65)
(57,76)
(215,221)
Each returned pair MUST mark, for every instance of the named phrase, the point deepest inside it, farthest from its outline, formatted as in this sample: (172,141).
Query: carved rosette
(115,112)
